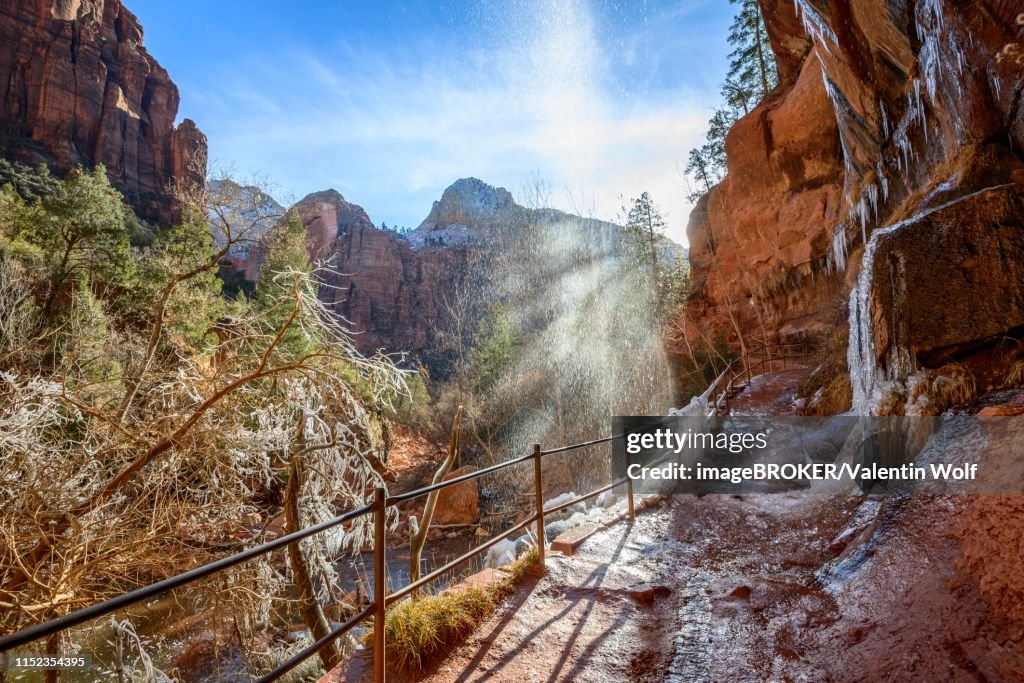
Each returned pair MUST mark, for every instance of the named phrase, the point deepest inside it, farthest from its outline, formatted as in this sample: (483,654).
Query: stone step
(570,539)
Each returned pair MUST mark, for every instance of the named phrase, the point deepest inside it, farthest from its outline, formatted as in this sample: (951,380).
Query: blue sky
(390,102)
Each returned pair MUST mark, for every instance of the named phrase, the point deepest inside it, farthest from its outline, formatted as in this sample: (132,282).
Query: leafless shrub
(110,479)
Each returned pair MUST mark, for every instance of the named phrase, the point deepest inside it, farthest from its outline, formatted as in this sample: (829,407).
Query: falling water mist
(589,343)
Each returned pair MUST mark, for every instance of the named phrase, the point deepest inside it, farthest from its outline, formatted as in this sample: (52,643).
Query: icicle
(839,249)
(815,25)
(865,208)
(839,105)
(934,7)
(930,60)
(866,377)
(860,354)
(870,379)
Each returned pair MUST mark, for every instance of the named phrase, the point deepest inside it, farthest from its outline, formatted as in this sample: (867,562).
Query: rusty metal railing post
(379,559)
(538,484)
(629,497)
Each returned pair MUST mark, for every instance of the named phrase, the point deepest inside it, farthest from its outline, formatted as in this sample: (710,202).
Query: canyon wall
(390,295)
(79,88)
(423,293)
(899,128)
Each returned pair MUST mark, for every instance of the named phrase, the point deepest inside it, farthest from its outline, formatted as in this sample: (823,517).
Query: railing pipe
(100,609)
(538,486)
(315,648)
(718,392)
(398,595)
(409,495)
(379,566)
(562,449)
(378,608)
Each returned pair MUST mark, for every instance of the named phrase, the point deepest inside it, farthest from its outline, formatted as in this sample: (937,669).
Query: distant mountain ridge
(470,209)
(393,288)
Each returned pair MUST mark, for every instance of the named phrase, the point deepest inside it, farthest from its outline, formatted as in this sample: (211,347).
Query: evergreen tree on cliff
(752,73)
(648,253)
(752,76)
(645,227)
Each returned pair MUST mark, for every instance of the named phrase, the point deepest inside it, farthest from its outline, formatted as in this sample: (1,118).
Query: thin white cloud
(392,128)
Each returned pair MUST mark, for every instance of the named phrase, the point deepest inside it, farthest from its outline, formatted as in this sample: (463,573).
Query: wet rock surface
(897,112)
(757,592)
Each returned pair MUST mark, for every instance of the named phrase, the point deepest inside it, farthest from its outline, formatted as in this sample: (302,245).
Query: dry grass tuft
(936,391)
(832,399)
(1015,376)
(419,631)
(953,385)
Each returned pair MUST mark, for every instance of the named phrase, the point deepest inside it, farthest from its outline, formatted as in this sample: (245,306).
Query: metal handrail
(409,495)
(375,609)
(716,392)
(133,597)
(563,449)
(468,555)
(314,649)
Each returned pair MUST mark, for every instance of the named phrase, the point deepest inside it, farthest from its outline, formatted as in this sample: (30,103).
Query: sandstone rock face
(458,504)
(423,293)
(901,109)
(759,240)
(78,87)
(388,293)
(789,42)
(959,281)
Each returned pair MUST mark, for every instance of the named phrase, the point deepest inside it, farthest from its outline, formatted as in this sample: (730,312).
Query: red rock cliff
(389,293)
(895,114)
(78,87)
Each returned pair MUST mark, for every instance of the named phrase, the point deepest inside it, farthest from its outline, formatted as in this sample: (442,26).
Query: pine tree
(180,257)
(494,346)
(275,298)
(649,257)
(752,64)
(701,167)
(752,76)
(81,230)
(646,225)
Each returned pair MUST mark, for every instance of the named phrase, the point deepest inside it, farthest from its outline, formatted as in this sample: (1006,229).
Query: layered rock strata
(900,128)
(77,87)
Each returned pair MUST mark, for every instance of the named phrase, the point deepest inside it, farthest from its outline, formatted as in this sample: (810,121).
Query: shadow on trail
(593,581)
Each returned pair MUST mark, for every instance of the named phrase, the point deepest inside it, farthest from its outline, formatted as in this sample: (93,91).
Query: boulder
(740,592)
(947,279)
(642,592)
(1001,411)
(458,504)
